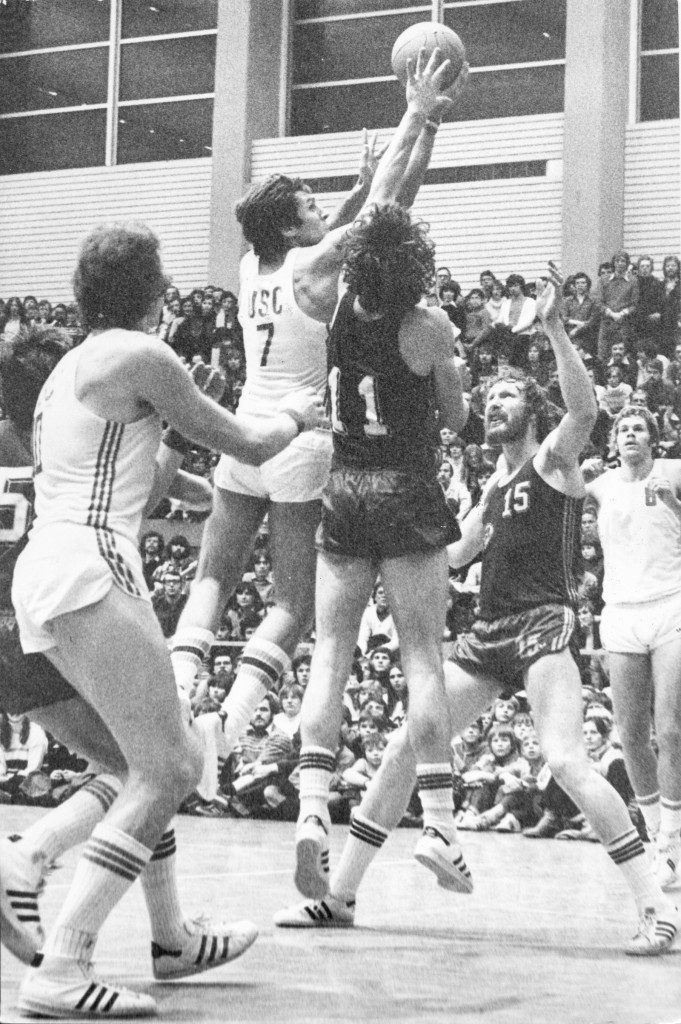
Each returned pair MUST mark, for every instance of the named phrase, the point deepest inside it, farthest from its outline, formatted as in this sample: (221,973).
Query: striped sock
(365,840)
(261,665)
(188,649)
(437,798)
(650,809)
(110,863)
(670,816)
(317,765)
(72,822)
(159,881)
(628,854)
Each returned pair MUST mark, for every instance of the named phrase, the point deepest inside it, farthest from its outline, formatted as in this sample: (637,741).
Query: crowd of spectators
(626,330)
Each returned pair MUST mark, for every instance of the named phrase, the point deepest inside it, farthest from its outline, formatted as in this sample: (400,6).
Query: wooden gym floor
(538,942)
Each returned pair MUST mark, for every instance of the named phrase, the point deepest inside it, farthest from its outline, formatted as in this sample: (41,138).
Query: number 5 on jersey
(517,499)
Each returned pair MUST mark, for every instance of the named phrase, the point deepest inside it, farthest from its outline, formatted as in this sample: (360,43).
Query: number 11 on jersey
(373,427)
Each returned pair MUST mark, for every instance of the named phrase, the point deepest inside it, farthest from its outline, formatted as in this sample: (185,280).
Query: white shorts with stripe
(65,567)
(295,475)
(641,628)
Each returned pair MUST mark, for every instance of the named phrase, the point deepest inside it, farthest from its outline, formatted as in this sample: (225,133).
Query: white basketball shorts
(641,628)
(295,475)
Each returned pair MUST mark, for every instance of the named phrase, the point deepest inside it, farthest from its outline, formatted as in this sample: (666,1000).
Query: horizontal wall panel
(44,217)
(652,209)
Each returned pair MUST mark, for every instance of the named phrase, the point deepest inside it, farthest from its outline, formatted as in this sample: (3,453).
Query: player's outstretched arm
(419,160)
(451,404)
(464,550)
(574,430)
(352,203)
(161,381)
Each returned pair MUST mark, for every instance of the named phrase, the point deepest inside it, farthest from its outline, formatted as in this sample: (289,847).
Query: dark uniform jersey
(382,414)
(531,546)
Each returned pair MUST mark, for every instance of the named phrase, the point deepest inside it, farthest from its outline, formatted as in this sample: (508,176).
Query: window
(516,49)
(659,67)
(54,66)
(49,23)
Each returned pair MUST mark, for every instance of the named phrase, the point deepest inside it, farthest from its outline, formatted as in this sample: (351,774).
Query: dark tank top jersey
(531,546)
(382,414)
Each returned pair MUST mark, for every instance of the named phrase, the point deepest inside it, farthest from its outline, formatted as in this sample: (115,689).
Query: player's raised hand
(369,158)
(549,302)
(425,83)
(450,95)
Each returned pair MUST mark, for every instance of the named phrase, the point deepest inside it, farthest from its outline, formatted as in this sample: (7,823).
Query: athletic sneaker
(445,859)
(667,857)
(312,858)
(22,882)
(327,913)
(68,989)
(206,945)
(656,933)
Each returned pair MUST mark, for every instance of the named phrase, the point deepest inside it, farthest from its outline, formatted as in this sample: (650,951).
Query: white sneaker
(21,882)
(68,990)
(327,913)
(312,858)
(445,860)
(667,858)
(206,945)
(656,932)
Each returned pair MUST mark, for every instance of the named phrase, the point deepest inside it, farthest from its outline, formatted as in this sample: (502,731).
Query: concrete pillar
(247,76)
(596,106)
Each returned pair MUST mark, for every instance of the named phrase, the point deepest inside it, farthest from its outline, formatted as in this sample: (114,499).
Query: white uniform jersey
(89,471)
(641,541)
(285,349)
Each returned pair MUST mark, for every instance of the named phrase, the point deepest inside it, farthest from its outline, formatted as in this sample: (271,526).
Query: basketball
(428,35)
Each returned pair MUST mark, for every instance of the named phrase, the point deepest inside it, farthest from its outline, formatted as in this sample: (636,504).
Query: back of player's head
(389,260)
(266,210)
(32,356)
(534,396)
(118,275)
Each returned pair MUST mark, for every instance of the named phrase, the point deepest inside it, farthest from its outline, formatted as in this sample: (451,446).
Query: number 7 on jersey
(269,328)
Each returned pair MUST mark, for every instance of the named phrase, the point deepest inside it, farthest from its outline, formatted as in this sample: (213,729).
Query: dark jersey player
(527,527)
(391,365)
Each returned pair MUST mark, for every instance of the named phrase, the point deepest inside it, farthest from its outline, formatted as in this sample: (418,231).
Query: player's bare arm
(317,267)
(427,344)
(163,384)
(556,460)
(463,551)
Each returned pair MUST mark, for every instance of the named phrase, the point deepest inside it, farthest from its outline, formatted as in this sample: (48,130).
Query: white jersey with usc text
(89,471)
(285,349)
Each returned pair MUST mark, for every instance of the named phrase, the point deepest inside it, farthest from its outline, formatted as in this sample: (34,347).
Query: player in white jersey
(289,289)
(639,526)
(80,598)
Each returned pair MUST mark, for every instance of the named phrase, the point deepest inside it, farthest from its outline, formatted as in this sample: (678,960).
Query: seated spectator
(450,303)
(617,394)
(288,719)
(456,493)
(171,318)
(245,610)
(351,694)
(169,601)
(151,550)
(262,576)
(23,748)
(483,370)
(495,771)
(366,726)
(627,364)
(358,776)
(377,620)
(659,394)
(216,692)
(398,695)
(647,320)
(264,758)
(592,666)
(13,318)
(495,300)
(178,556)
(517,803)
(670,436)
(514,325)
(186,311)
(504,710)
(671,305)
(301,670)
(73,325)
(538,367)
(477,321)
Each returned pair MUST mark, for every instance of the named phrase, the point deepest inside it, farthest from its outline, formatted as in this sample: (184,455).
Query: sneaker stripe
(86,995)
(202,950)
(311,912)
(213,949)
(100,995)
(225,948)
(107,1006)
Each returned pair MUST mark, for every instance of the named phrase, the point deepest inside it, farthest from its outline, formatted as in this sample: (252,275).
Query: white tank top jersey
(641,542)
(285,349)
(89,471)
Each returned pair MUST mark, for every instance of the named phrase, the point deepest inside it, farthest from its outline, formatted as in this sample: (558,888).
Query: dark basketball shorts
(505,648)
(387,513)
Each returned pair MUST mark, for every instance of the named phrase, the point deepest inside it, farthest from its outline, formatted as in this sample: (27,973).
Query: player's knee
(669,735)
(567,766)
(398,756)
(184,772)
